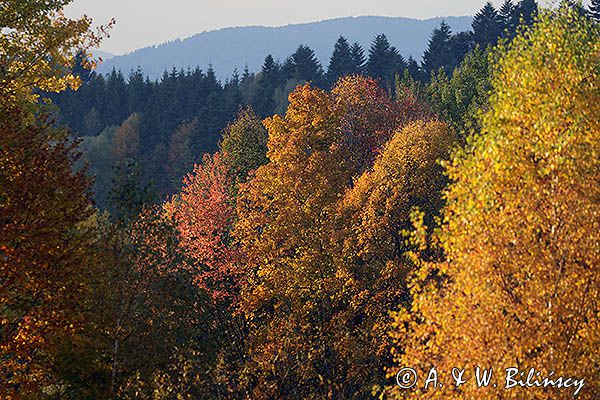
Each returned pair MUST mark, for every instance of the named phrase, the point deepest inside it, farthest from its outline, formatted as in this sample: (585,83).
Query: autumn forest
(300,232)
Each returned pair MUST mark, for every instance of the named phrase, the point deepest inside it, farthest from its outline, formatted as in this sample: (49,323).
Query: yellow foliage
(519,286)
(38,45)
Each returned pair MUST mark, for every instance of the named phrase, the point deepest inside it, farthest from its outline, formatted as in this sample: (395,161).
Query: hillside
(230,48)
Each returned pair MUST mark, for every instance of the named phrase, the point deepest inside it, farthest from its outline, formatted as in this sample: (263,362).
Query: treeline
(314,254)
(186,110)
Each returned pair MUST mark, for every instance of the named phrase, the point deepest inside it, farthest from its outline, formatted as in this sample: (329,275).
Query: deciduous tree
(518,285)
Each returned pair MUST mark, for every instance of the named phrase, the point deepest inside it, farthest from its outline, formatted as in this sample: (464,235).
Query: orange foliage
(204,214)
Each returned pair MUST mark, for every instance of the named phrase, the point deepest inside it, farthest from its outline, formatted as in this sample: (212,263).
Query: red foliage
(204,213)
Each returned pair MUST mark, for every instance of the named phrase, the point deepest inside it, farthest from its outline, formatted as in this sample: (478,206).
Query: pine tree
(341,62)
(384,61)
(487,26)
(270,68)
(507,18)
(414,70)
(526,12)
(306,66)
(461,44)
(439,54)
(358,58)
(594,10)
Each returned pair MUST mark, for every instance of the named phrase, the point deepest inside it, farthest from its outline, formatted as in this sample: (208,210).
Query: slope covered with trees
(197,100)
(447,219)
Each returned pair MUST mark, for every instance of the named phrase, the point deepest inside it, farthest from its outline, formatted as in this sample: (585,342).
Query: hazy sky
(145,22)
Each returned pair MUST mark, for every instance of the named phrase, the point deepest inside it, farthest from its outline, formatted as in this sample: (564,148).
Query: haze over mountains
(233,48)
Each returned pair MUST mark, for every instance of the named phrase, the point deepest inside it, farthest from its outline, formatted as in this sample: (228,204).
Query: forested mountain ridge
(235,47)
(166,124)
(396,222)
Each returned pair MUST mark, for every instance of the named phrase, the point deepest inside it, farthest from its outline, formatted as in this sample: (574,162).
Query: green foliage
(180,156)
(462,98)
(244,144)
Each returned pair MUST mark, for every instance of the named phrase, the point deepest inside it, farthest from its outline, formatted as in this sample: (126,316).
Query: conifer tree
(137,91)
(594,10)
(384,61)
(116,98)
(341,62)
(507,17)
(487,26)
(358,58)
(439,53)
(306,66)
(526,12)
(461,44)
(270,68)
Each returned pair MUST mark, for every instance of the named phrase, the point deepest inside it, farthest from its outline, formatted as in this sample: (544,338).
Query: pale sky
(146,22)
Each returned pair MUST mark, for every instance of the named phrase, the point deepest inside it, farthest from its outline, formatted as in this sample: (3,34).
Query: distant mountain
(102,54)
(230,48)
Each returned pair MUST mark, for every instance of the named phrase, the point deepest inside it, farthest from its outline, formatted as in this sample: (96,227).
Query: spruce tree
(137,91)
(264,102)
(594,10)
(384,61)
(507,18)
(288,68)
(116,97)
(358,58)
(233,94)
(439,53)
(461,43)
(526,12)
(246,76)
(414,70)
(270,67)
(341,62)
(487,26)
(306,65)
(379,57)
